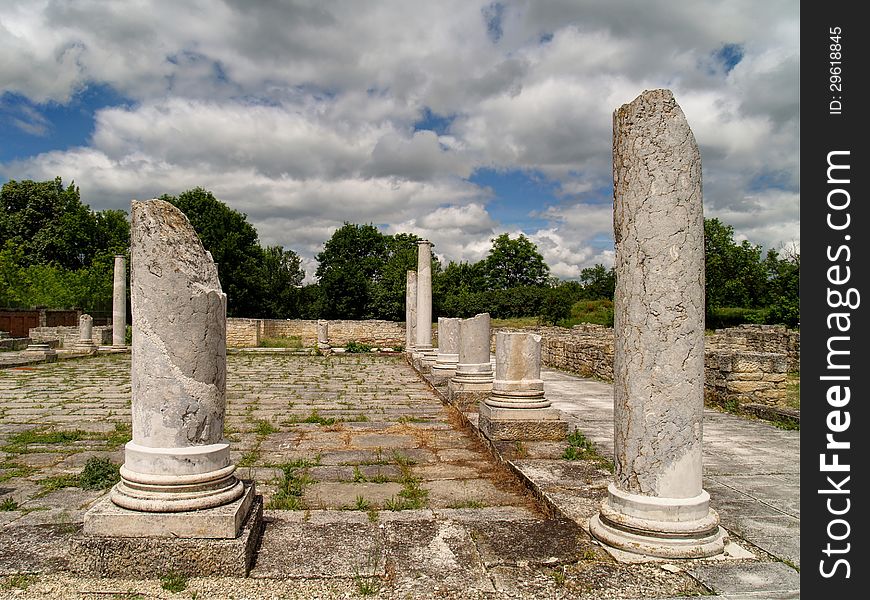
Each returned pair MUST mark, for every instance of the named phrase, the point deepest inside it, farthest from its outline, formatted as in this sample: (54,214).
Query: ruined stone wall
(242,333)
(745,377)
(67,337)
(759,338)
(735,371)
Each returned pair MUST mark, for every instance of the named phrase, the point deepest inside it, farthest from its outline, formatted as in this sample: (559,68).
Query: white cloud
(301,114)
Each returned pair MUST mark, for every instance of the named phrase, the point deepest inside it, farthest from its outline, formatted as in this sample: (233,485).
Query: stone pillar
(119,304)
(656,505)
(323,335)
(424,353)
(86,331)
(472,382)
(517,408)
(178,459)
(448,350)
(411,312)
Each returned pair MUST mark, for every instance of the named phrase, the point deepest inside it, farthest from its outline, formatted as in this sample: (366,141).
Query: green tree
(458,289)
(513,263)
(282,280)
(735,275)
(388,291)
(51,225)
(557,303)
(233,244)
(350,266)
(599,283)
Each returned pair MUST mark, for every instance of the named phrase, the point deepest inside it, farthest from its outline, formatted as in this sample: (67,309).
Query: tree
(557,303)
(51,225)
(233,244)
(457,290)
(513,263)
(282,280)
(735,275)
(350,266)
(599,283)
(388,293)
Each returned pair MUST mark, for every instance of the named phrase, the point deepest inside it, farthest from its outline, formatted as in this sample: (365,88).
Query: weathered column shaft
(448,350)
(119,303)
(178,459)
(323,334)
(474,365)
(411,311)
(656,504)
(86,328)
(517,382)
(424,296)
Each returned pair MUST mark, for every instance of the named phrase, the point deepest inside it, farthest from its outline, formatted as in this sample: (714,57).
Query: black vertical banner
(835,300)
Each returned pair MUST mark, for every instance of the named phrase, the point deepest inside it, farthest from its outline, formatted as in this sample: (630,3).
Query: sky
(456,120)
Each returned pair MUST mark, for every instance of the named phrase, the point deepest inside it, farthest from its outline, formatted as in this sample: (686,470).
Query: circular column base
(660,527)
(176,479)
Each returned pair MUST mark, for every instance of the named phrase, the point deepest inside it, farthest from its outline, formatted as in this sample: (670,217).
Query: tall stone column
(86,331)
(119,304)
(323,335)
(178,459)
(424,353)
(517,408)
(448,350)
(410,312)
(656,505)
(472,382)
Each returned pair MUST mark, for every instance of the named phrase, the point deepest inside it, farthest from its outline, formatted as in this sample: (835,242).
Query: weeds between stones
(580,448)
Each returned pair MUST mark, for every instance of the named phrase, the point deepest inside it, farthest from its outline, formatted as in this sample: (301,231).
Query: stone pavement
(751,470)
(372,486)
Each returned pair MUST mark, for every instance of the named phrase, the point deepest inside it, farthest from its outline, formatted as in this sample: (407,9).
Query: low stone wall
(247,333)
(733,373)
(67,336)
(759,338)
(745,377)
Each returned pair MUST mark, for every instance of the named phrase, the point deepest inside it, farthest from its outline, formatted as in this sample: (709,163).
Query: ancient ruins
(501,462)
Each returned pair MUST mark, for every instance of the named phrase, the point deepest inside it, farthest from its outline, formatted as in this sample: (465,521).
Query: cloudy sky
(455,120)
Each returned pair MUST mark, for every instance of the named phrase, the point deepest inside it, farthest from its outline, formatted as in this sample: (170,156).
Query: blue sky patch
(27,128)
(729,56)
(516,194)
(492,16)
(433,122)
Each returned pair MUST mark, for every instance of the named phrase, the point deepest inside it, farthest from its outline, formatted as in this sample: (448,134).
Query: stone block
(107,519)
(109,556)
(514,424)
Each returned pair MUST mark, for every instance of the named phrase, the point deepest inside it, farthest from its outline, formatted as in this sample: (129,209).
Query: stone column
(472,382)
(323,335)
(656,505)
(119,304)
(411,312)
(424,353)
(178,459)
(448,350)
(86,331)
(517,408)
(42,352)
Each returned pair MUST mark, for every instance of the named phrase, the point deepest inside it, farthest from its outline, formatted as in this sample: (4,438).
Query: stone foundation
(69,336)
(128,557)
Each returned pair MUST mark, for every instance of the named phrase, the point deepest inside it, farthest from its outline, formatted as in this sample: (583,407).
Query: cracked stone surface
(410,310)
(659,301)
(179,332)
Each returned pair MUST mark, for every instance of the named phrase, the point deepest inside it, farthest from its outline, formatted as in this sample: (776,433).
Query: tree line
(55,251)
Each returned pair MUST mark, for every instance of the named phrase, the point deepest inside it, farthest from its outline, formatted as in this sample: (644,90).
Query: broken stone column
(177,482)
(323,335)
(119,304)
(656,505)
(517,409)
(42,352)
(448,350)
(424,353)
(410,312)
(472,382)
(86,331)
